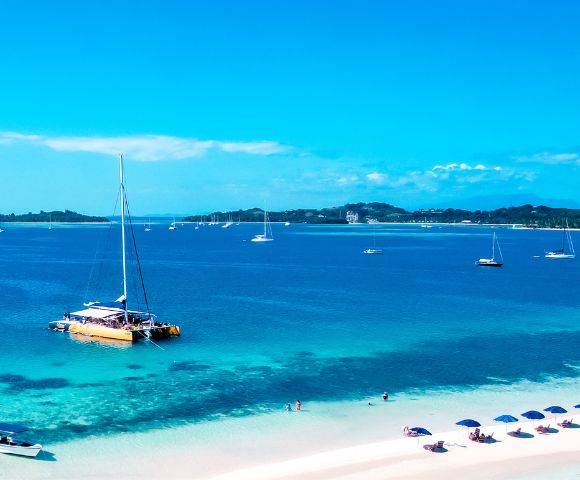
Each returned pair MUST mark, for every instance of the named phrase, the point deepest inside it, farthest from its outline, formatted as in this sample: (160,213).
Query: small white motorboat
(373,251)
(11,445)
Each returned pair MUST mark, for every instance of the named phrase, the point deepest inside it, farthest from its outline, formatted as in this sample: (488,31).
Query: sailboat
(148,226)
(173,225)
(50,221)
(113,320)
(561,254)
(491,262)
(374,250)
(263,237)
(228,223)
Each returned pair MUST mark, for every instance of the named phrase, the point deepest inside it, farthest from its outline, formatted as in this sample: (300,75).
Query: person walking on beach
(298,405)
(385,396)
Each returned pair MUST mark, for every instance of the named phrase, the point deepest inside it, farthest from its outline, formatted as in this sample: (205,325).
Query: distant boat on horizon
(267,230)
(374,250)
(561,254)
(148,226)
(173,225)
(491,262)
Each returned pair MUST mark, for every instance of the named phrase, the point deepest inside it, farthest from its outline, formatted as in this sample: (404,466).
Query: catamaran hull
(25,451)
(126,335)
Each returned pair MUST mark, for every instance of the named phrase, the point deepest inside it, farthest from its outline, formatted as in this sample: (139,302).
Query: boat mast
(122,193)
(265,216)
(493,247)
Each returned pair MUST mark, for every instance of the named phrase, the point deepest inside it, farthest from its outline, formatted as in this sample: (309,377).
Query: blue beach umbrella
(577,406)
(420,431)
(468,422)
(555,409)
(506,419)
(533,415)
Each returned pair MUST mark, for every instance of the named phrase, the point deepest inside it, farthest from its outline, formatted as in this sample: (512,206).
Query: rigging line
(137,255)
(147,338)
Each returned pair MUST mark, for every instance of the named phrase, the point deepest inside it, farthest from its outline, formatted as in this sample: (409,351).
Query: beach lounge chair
(542,429)
(566,423)
(518,431)
(435,446)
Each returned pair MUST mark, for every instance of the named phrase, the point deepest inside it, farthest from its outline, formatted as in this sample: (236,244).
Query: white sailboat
(228,223)
(50,221)
(148,226)
(374,250)
(491,262)
(113,320)
(267,235)
(561,254)
(14,446)
(173,225)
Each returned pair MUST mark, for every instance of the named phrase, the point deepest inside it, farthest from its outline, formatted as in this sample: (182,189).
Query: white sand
(509,457)
(342,440)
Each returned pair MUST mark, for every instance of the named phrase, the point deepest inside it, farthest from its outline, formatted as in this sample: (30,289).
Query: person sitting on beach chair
(475,435)
(435,447)
(566,423)
(483,438)
(542,429)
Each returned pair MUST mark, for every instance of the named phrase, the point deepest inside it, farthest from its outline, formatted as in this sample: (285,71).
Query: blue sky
(221,105)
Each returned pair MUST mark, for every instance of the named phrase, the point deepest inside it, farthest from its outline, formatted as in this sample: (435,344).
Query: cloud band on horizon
(146,148)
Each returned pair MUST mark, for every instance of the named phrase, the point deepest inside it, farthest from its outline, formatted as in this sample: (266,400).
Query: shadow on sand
(521,435)
(45,456)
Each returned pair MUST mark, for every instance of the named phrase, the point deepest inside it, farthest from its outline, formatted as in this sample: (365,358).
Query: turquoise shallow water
(307,316)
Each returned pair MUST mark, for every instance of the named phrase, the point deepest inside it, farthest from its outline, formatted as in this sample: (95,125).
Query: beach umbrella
(506,419)
(533,415)
(468,422)
(577,406)
(555,409)
(420,431)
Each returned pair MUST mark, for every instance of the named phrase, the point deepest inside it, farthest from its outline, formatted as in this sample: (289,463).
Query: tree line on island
(525,215)
(55,216)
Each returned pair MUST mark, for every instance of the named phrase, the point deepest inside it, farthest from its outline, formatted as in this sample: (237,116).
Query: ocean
(307,317)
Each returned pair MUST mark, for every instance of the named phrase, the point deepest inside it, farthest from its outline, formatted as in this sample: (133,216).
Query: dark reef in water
(190,391)
(19,383)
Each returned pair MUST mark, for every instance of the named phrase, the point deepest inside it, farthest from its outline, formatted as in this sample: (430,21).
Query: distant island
(525,215)
(54,216)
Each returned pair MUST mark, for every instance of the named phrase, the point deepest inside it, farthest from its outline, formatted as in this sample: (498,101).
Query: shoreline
(325,440)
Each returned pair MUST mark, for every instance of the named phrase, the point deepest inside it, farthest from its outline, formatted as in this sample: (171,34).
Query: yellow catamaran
(114,320)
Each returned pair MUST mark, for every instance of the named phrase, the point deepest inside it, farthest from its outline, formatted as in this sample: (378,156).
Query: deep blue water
(307,316)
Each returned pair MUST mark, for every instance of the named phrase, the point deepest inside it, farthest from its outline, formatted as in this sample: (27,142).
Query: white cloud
(376,177)
(452,167)
(147,148)
(550,158)
(347,179)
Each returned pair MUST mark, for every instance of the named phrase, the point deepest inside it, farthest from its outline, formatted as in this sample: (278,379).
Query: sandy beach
(334,440)
(531,455)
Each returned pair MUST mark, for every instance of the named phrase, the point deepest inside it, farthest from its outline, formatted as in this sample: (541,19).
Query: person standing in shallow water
(385,396)
(298,405)
(288,407)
